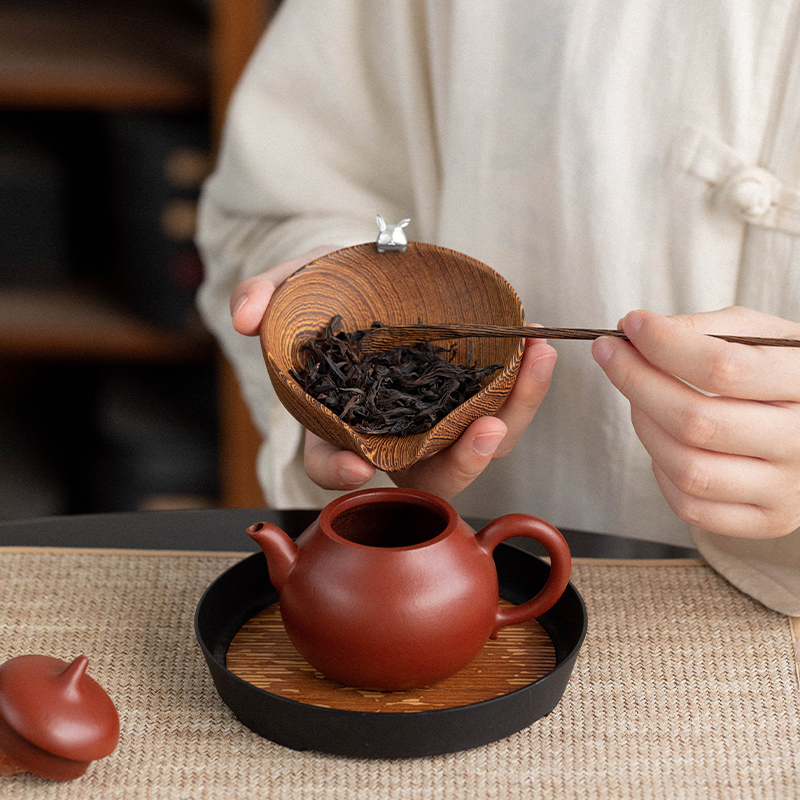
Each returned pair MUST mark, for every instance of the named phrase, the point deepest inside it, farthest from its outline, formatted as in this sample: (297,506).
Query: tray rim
(564,664)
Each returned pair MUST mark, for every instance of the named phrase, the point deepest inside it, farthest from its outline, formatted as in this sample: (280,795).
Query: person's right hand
(249,298)
(449,471)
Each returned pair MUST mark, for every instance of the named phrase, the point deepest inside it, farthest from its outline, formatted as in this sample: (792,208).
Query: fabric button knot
(750,191)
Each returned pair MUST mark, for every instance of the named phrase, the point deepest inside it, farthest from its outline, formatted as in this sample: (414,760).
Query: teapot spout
(279,549)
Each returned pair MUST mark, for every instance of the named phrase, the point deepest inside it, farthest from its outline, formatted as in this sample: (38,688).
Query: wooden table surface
(684,687)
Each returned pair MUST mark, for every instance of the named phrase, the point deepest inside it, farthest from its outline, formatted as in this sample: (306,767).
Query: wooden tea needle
(390,336)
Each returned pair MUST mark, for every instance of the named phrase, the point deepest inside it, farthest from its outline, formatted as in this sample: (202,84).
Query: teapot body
(389,589)
(391,617)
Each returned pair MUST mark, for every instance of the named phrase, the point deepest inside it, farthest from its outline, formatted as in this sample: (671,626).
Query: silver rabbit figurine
(391,237)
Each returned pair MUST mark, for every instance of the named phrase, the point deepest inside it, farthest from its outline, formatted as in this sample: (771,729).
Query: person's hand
(449,471)
(721,421)
(446,473)
(249,298)
(331,468)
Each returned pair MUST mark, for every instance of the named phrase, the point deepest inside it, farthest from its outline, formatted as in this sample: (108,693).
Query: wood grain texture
(262,654)
(397,288)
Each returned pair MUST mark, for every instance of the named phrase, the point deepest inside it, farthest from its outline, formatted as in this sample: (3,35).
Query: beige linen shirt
(603,156)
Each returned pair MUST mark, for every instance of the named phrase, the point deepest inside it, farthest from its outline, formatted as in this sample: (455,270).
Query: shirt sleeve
(766,569)
(324,131)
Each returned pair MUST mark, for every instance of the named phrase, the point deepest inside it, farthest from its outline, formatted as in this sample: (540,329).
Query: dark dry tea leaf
(401,392)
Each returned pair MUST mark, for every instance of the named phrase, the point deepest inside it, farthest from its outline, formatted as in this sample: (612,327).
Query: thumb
(450,471)
(249,299)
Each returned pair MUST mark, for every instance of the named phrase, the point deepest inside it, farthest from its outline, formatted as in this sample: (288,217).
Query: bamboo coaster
(262,654)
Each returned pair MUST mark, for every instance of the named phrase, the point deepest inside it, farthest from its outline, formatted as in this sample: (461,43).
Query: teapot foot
(8,766)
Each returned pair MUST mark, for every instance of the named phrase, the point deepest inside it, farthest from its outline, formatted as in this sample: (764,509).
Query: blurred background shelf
(112,395)
(84,324)
(114,55)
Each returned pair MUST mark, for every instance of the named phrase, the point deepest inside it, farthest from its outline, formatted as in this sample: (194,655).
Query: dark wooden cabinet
(133,56)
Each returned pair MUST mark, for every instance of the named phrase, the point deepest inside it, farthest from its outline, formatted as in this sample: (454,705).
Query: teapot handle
(560,564)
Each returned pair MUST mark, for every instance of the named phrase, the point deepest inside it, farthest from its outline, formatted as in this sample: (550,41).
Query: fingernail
(239,304)
(352,476)
(542,368)
(633,322)
(486,443)
(602,349)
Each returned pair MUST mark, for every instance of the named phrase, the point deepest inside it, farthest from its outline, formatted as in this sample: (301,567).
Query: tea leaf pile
(400,392)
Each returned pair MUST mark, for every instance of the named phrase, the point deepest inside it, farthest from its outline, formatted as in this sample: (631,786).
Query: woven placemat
(685,688)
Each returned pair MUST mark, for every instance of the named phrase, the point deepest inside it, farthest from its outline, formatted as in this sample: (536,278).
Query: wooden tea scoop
(390,336)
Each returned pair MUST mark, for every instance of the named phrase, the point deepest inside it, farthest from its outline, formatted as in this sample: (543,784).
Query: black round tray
(244,590)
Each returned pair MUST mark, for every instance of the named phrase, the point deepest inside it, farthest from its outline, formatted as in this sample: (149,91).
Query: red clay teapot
(389,589)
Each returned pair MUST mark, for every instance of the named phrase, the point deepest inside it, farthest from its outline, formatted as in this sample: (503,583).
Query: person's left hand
(727,461)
